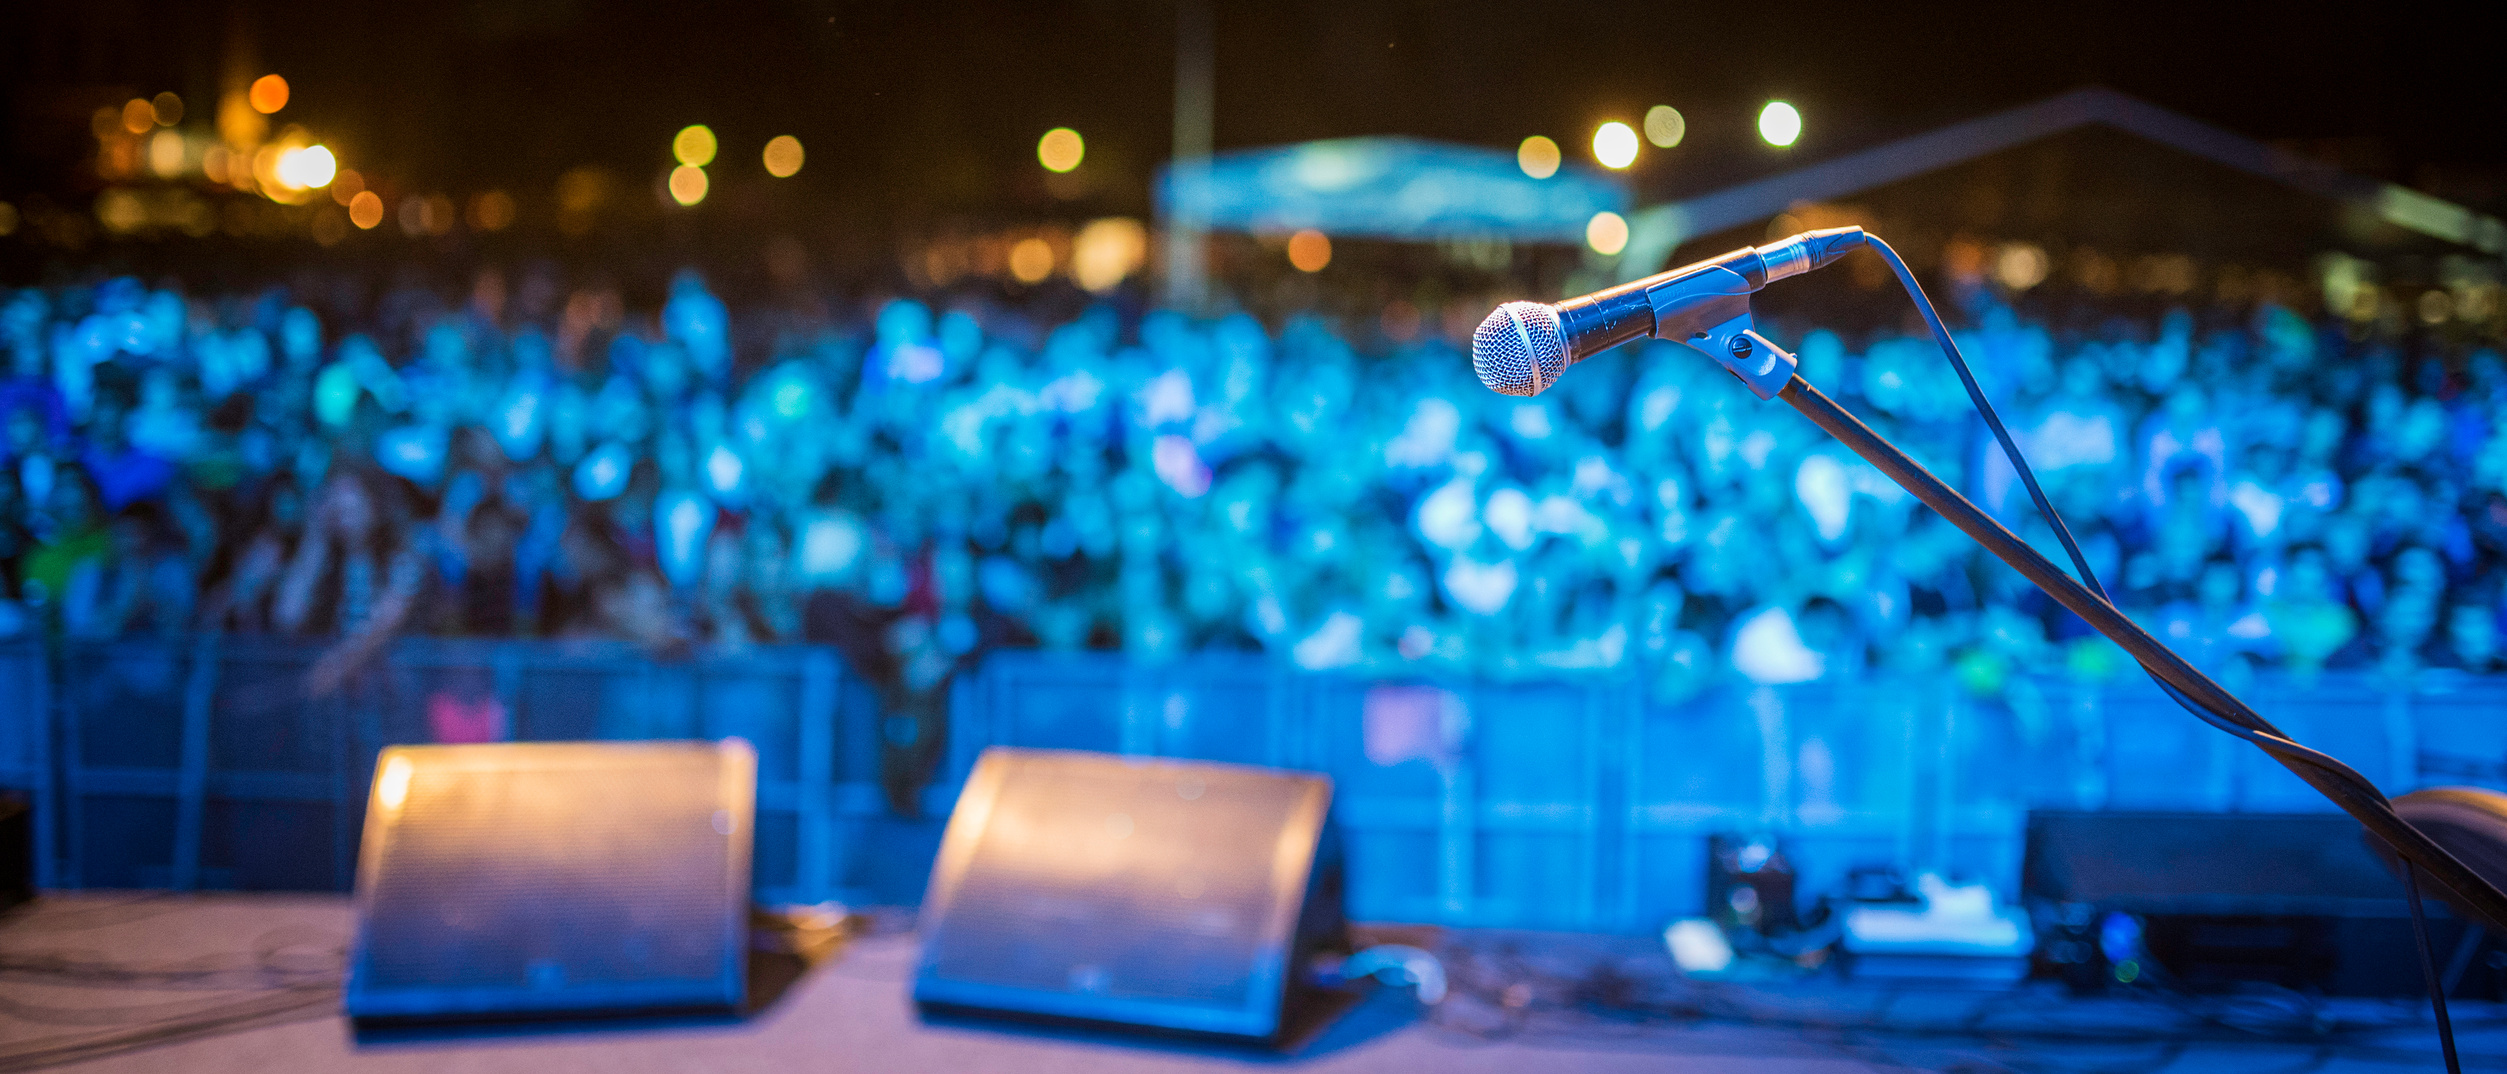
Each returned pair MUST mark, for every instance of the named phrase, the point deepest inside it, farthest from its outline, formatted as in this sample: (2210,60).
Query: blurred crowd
(920,482)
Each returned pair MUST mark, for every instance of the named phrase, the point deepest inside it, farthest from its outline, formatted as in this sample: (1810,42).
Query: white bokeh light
(1779,123)
(1615,145)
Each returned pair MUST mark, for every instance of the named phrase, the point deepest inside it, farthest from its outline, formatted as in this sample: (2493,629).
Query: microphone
(1523,346)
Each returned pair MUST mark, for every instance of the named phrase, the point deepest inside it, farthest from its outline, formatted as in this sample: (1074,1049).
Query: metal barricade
(1222,707)
(206,763)
(1583,805)
(1471,802)
(2458,725)
(1903,774)
(27,765)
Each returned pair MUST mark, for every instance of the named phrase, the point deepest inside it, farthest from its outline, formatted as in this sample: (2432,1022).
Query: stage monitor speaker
(1166,895)
(554,880)
(2470,822)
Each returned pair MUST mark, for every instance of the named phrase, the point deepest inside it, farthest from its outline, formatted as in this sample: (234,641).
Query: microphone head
(1520,350)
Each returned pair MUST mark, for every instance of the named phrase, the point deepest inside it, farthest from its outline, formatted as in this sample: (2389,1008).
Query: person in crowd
(356,577)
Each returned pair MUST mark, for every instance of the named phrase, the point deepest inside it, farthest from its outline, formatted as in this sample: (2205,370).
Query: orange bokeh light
(1309,250)
(269,94)
(365,210)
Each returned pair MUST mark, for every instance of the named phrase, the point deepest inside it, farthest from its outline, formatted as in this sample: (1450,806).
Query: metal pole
(1187,273)
(2476,893)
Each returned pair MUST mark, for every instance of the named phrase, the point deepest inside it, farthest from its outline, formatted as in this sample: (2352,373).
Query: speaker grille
(1520,349)
(545,877)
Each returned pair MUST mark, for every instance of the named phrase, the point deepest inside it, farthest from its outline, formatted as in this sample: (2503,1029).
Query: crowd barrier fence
(205,763)
(27,765)
(1576,804)
(1585,805)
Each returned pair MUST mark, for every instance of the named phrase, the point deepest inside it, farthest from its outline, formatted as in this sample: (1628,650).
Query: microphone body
(1523,346)
(1605,319)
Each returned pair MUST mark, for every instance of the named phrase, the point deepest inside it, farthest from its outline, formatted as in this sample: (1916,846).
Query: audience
(930,482)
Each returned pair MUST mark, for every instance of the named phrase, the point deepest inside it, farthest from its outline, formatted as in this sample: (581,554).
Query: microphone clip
(1750,357)
(1709,310)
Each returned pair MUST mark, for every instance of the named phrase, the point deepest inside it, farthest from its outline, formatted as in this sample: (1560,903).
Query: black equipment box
(2220,899)
(17,849)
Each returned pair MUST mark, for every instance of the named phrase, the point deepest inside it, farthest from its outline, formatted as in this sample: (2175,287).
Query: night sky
(919,110)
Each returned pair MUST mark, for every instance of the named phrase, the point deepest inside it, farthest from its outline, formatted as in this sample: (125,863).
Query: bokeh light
(238,125)
(1664,126)
(430,215)
(1060,150)
(120,210)
(1606,233)
(783,156)
(1615,144)
(268,94)
(582,192)
(261,169)
(1538,157)
(1309,250)
(687,184)
(138,115)
(1106,251)
(1779,123)
(2021,266)
(167,108)
(2436,307)
(166,154)
(365,210)
(694,147)
(1031,260)
(309,168)
(492,211)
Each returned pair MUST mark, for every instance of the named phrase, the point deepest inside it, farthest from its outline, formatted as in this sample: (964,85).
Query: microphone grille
(1520,349)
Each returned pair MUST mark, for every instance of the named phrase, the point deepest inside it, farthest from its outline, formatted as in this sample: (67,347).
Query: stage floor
(246,984)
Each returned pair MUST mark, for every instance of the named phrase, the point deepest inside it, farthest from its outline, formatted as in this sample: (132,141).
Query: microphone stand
(1522,347)
(2472,891)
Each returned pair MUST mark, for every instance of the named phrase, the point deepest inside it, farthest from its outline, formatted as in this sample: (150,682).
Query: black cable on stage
(1511,998)
(2277,745)
(250,1013)
(264,990)
(2428,963)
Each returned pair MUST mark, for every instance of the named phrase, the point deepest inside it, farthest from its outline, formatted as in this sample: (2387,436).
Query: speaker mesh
(1520,349)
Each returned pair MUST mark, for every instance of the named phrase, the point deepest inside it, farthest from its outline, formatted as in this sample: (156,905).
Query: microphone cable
(2266,738)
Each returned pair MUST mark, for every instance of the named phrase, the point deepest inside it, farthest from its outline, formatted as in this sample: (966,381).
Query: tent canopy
(1656,231)
(1386,188)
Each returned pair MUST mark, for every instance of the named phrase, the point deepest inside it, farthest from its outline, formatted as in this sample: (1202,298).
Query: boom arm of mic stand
(2474,892)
